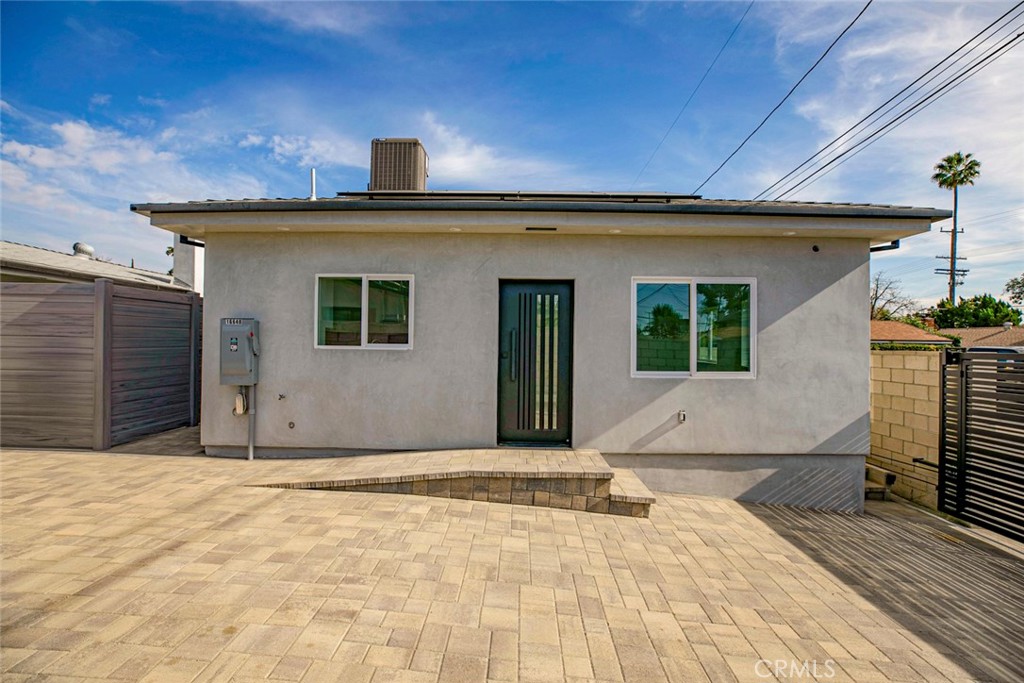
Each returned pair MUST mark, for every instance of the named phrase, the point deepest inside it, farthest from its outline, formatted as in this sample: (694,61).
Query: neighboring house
(895,332)
(716,347)
(1007,335)
(24,263)
(188,263)
(94,353)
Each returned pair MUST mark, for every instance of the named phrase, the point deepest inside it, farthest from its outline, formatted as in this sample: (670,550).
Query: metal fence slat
(981,449)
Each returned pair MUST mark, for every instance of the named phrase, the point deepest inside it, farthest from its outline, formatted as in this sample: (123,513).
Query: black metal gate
(981,440)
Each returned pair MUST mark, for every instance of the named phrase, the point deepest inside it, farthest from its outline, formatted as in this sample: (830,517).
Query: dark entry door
(535,362)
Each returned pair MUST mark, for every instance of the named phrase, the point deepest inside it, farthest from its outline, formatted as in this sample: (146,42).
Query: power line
(920,105)
(949,84)
(783,101)
(879,108)
(927,263)
(999,213)
(992,218)
(912,111)
(694,92)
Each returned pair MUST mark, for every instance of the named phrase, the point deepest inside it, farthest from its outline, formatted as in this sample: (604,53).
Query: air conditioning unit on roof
(398,164)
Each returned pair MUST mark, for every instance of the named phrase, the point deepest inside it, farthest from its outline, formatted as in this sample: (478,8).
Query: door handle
(514,356)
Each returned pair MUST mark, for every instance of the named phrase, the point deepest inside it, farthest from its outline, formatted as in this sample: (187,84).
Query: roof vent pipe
(312,184)
(82,250)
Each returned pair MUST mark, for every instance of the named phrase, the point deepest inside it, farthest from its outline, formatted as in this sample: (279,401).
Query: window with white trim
(364,311)
(684,327)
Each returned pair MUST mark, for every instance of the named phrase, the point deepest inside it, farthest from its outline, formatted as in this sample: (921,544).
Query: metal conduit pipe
(252,420)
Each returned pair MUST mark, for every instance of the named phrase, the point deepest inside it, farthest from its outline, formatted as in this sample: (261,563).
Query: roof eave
(698,207)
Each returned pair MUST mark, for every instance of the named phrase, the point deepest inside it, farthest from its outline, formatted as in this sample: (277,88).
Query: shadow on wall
(661,430)
(962,597)
(830,476)
(834,482)
(820,487)
(853,438)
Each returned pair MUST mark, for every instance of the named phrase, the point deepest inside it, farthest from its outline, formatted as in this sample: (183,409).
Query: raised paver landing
(571,479)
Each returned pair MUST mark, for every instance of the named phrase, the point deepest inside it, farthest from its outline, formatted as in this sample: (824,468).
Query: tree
(1015,288)
(725,302)
(887,298)
(953,171)
(983,310)
(666,323)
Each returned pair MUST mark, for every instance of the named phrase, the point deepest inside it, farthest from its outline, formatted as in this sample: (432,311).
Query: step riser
(578,480)
(581,494)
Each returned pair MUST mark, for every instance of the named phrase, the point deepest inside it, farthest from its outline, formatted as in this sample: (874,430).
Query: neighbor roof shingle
(897,332)
(987,336)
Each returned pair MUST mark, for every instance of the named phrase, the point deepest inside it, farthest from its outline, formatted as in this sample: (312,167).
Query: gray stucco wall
(833,482)
(810,396)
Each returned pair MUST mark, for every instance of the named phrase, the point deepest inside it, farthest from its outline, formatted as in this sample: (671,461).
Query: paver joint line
(141,567)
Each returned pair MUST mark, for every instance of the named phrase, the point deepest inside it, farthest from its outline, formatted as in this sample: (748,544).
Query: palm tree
(953,171)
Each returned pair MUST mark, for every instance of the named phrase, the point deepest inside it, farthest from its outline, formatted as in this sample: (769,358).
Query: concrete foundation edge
(825,482)
(276,453)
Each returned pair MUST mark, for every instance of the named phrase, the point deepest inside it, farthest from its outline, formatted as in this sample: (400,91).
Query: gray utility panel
(239,351)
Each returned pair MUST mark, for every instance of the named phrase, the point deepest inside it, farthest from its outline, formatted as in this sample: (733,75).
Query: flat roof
(570,202)
(562,213)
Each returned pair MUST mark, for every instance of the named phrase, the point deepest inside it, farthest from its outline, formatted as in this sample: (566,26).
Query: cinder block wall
(905,420)
(662,354)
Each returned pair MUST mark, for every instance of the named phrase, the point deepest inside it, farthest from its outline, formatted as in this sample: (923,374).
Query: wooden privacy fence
(96,365)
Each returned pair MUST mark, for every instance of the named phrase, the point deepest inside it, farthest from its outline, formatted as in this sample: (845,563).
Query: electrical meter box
(239,351)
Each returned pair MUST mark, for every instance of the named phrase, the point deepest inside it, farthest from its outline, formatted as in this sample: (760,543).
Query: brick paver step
(566,478)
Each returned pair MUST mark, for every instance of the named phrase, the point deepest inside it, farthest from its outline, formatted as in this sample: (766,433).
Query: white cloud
(328,150)
(78,184)
(18,187)
(99,100)
(86,148)
(876,60)
(338,18)
(983,116)
(251,140)
(455,159)
(279,121)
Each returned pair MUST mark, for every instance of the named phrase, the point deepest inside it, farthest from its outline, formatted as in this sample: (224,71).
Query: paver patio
(119,566)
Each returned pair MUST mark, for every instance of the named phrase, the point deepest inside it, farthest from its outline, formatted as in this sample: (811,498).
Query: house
(716,347)
(896,332)
(1006,335)
(25,263)
(94,353)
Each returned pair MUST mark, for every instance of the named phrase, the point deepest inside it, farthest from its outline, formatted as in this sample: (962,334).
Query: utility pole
(956,275)
(951,172)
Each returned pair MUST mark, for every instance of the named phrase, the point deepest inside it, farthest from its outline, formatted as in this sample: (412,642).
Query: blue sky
(109,103)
